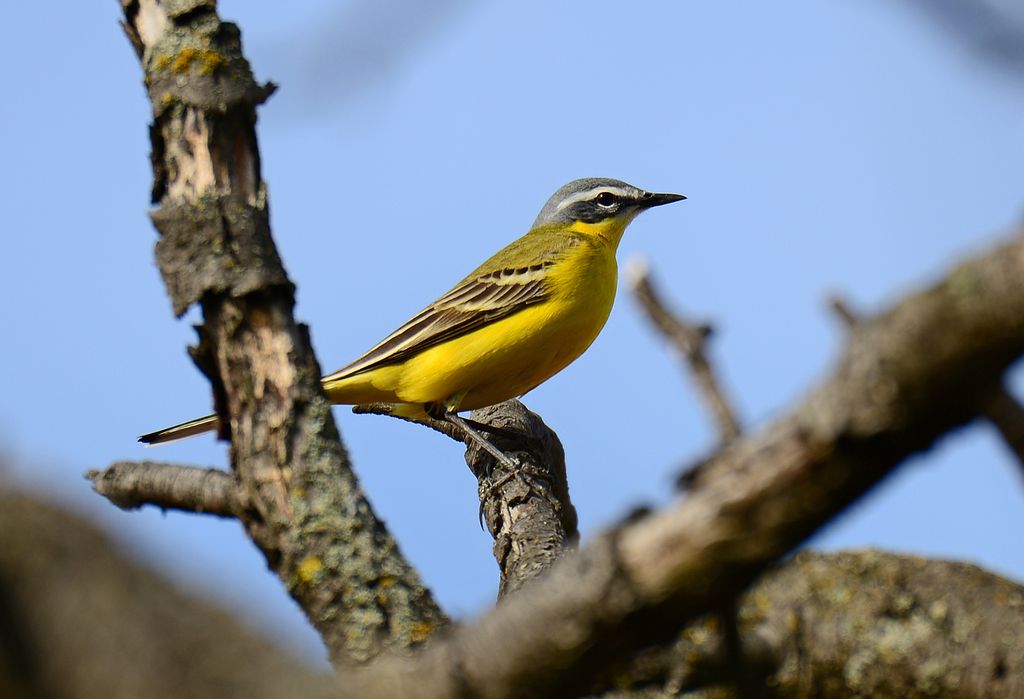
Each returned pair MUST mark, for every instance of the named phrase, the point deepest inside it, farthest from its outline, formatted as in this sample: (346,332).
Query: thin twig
(132,484)
(690,340)
(445,428)
(1007,414)
(843,311)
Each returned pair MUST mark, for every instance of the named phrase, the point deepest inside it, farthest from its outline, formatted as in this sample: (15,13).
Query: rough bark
(864,623)
(306,511)
(528,510)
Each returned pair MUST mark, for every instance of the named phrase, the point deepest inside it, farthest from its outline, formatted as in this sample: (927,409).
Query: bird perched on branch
(511,324)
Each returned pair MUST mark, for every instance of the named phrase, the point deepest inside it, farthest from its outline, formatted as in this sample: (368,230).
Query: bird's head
(599,206)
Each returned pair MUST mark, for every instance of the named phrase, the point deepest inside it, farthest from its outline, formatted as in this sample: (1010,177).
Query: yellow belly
(502,360)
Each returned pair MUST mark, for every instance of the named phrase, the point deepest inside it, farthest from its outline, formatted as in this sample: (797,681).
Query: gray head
(594,199)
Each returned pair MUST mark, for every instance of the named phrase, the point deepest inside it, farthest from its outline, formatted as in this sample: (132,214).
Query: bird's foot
(536,480)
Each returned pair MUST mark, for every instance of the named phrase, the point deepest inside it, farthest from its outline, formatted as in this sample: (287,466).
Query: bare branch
(130,485)
(445,428)
(528,510)
(843,311)
(307,514)
(908,376)
(690,341)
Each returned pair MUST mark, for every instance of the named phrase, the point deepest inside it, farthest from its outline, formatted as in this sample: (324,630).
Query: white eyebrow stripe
(591,193)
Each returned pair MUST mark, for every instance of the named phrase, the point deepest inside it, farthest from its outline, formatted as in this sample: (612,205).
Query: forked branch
(690,341)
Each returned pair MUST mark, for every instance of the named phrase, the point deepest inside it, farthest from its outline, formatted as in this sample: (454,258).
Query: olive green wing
(473,304)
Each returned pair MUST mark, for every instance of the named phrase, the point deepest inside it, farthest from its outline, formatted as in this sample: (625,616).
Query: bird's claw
(537,483)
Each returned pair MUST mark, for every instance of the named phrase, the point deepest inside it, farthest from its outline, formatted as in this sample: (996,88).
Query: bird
(512,323)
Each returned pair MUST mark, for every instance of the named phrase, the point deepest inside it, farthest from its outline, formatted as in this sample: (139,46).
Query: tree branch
(690,341)
(528,510)
(1007,414)
(836,625)
(307,514)
(843,311)
(440,426)
(907,377)
(130,485)
(863,623)
(78,619)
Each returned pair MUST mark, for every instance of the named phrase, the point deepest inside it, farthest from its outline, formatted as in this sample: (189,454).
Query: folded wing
(473,304)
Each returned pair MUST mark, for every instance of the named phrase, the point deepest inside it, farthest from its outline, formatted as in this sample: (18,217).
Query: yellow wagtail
(514,322)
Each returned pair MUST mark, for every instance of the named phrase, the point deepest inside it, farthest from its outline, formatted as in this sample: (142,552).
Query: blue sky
(850,147)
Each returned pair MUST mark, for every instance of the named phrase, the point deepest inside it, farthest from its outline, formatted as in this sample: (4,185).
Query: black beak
(655,199)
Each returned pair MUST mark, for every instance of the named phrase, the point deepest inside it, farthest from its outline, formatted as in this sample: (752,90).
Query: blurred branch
(1007,414)
(844,311)
(1001,408)
(130,485)
(992,29)
(78,620)
(690,340)
(866,624)
(907,377)
(376,40)
(307,512)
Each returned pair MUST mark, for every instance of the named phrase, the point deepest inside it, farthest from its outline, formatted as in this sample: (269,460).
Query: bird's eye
(606,199)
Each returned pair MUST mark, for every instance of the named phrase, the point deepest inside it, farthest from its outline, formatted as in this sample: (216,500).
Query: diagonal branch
(1007,414)
(843,311)
(307,512)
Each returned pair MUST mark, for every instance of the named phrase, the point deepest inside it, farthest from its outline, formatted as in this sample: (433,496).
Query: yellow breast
(508,358)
